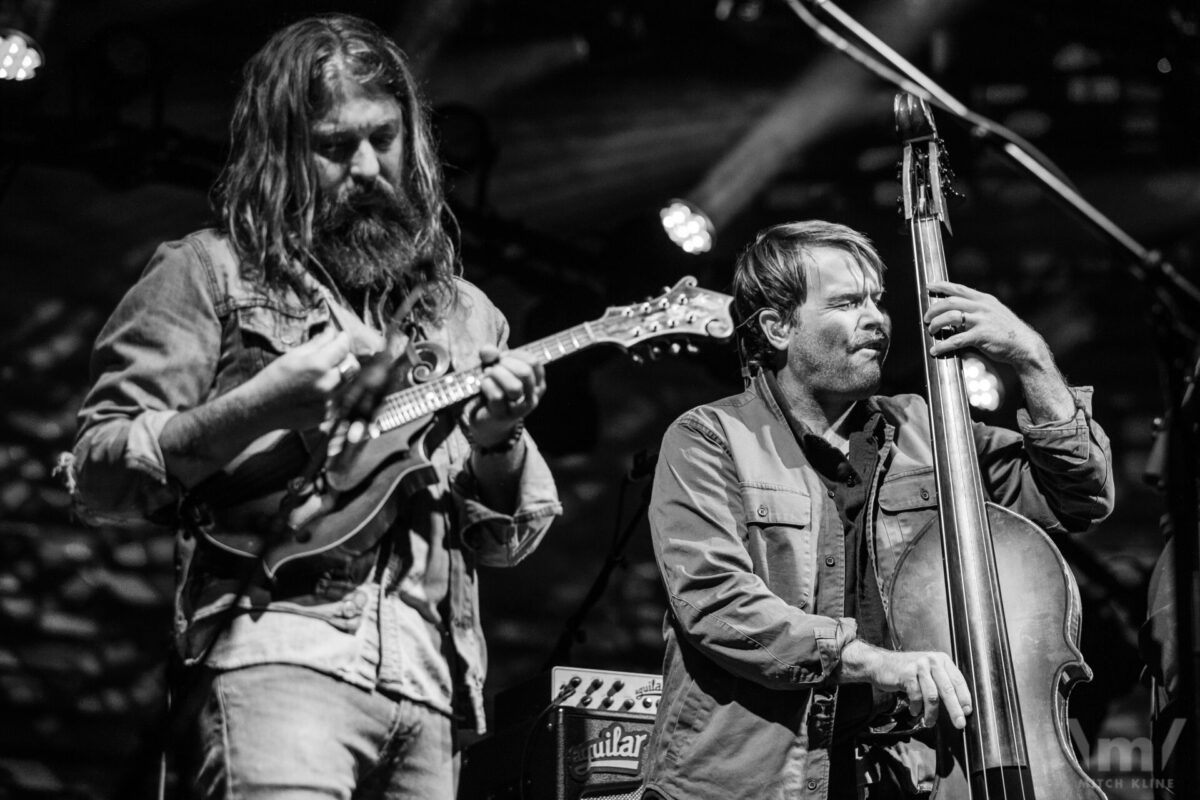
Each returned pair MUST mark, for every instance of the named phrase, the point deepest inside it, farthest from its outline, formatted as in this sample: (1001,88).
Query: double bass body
(1042,614)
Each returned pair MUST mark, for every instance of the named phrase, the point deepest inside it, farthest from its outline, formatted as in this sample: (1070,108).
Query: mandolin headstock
(681,311)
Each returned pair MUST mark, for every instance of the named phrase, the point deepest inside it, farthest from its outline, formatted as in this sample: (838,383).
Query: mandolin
(352,501)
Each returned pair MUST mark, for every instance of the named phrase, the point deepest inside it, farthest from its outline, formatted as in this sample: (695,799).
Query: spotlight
(20,56)
(985,391)
(688,226)
(824,98)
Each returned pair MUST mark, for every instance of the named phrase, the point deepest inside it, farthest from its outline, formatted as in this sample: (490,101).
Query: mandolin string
(418,401)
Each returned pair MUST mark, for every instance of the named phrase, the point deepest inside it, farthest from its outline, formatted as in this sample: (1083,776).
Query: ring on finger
(347,366)
(962,319)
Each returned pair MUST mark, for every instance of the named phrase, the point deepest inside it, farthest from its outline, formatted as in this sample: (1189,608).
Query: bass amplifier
(589,743)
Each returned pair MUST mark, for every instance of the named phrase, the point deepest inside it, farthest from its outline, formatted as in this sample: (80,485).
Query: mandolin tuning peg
(637,357)
(655,352)
(692,349)
(676,348)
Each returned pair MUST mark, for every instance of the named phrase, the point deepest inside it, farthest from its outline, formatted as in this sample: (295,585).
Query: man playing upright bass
(779,517)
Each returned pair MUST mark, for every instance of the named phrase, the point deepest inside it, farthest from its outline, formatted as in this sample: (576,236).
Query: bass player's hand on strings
(969,318)
(929,679)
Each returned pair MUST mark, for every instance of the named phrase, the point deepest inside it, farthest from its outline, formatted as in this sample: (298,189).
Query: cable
(563,693)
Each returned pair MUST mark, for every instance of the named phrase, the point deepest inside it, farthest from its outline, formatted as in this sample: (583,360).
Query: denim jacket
(754,630)
(194,327)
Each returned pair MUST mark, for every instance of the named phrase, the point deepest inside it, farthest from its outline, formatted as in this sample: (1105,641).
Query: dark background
(566,126)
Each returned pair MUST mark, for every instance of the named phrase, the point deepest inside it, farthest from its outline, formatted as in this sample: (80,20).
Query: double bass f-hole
(992,578)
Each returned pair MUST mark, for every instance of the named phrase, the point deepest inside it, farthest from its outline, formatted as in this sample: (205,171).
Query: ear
(774,328)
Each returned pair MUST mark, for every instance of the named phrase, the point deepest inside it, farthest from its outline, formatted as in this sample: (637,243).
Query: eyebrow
(854,294)
(332,129)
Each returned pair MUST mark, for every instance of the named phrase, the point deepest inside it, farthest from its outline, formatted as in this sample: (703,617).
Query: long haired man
(349,669)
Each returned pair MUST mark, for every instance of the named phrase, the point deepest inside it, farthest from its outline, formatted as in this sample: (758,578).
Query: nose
(365,163)
(874,316)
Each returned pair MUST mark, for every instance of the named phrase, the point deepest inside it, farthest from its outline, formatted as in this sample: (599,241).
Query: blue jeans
(290,733)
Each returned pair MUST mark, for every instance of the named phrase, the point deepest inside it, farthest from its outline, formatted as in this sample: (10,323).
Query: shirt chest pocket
(907,506)
(261,333)
(781,541)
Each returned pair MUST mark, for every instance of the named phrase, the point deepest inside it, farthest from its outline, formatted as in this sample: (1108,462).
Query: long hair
(266,195)
(770,273)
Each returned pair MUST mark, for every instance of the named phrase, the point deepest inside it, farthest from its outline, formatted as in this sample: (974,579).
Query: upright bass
(992,590)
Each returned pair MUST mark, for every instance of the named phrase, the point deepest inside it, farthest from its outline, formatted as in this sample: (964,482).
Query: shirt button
(762,511)
(832,493)
(830,561)
(812,785)
(802,603)
(924,494)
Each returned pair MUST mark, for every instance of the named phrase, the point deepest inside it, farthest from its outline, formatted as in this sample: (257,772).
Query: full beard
(364,237)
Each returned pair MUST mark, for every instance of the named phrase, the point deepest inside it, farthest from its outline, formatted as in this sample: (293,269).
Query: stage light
(827,96)
(688,226)
(985,390)
(20,56)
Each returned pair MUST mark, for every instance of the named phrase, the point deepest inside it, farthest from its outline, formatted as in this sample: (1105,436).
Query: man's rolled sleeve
(722,606)
(831,641)
(1072,463)
(502,540)
(119,473)
(155,356)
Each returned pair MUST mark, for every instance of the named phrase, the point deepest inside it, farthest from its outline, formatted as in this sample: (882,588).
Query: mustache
(377,199)
(881,342)
(352,204)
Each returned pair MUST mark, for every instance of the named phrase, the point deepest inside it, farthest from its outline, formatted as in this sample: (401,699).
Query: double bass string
(923,259)
(930,256)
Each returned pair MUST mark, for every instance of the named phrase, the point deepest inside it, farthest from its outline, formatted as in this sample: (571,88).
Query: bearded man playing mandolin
(780,517)
(348,665)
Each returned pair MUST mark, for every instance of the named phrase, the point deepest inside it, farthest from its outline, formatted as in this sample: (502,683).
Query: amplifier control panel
(606,690)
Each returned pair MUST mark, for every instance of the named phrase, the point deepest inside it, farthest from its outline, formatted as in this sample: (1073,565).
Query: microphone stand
(1179,436)
(573,629)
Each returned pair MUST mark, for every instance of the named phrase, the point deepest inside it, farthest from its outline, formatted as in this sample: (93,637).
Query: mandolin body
(359,506)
